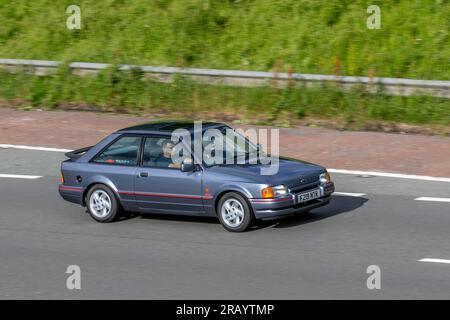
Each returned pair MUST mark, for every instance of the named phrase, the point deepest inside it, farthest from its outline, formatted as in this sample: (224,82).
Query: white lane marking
(343,171)
(434,260)
(350,194)
(432,199)
(390,175)
(19,176)
(7,146)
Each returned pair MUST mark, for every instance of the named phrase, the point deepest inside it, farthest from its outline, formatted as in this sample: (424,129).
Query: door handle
(143,174)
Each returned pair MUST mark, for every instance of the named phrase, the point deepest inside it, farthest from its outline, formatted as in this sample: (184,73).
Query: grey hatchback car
(133,169)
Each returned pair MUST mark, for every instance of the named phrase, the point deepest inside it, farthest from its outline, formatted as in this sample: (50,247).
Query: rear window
(122,152)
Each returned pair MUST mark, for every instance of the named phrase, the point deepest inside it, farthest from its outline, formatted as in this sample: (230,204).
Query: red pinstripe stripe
(164,195)
(146,194)
(126,193)
(271,200)
(70,188)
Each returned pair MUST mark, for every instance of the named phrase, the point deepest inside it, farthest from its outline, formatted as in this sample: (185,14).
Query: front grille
(303,181)
(304,187)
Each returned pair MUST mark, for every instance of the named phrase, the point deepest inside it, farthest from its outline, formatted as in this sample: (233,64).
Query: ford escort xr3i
(134,169)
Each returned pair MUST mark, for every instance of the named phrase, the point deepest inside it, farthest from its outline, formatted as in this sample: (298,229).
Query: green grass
(308,36)
(129,92)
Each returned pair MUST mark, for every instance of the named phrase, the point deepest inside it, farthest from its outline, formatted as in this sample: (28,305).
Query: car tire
(102,204)
(234,212)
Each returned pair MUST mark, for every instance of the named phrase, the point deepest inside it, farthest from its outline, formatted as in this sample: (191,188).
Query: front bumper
(267,209)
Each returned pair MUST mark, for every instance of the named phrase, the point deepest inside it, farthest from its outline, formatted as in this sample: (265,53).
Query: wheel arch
(242,192)
(106,183)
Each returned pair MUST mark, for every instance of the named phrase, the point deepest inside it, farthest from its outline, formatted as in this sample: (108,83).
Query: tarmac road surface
(321,255)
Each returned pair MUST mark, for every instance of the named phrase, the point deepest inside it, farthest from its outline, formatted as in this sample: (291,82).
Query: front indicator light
(61,179)
(267,193)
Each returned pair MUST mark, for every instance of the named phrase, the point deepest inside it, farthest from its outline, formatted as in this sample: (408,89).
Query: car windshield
(225,146)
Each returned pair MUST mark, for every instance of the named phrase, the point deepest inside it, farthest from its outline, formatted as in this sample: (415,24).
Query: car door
(116,167)
(163,188)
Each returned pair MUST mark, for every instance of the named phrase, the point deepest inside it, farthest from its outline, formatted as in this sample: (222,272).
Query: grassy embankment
(328,37)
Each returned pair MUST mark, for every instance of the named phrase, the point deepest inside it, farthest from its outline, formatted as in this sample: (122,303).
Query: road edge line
(433,199)
(18,176)
(341,171)
(350,194)
(12,146)
(390,175)
(434,260)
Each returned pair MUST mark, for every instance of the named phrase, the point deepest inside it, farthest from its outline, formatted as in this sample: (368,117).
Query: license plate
(308,195)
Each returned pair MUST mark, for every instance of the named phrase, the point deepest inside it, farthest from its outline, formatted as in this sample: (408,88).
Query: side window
(122,152)
(158,153)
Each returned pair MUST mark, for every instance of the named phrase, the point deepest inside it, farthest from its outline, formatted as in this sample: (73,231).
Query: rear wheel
(234,212)
(102,204)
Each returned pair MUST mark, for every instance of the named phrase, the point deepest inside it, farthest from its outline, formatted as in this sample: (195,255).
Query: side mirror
(187,165)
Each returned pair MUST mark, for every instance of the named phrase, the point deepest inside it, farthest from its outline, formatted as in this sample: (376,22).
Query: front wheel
(234,213)
(102,204)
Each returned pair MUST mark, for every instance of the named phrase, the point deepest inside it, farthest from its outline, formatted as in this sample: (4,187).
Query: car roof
(167,126)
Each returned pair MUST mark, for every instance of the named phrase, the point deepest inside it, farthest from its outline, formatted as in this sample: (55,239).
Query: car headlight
(325,178)
(274,192)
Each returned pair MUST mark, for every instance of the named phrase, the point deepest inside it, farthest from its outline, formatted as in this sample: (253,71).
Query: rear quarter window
(123,152)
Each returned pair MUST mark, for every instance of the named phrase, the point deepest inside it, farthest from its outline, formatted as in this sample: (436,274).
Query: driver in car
(165,159)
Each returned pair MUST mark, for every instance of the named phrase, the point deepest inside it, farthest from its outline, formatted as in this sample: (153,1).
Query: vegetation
(129,92)
(308,36)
